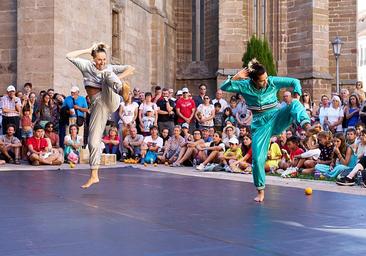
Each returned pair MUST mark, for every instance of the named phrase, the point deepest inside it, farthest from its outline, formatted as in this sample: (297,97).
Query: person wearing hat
(104,88)
(147,121)
(233,153)
(185,109)
(11,106)
(76,106)
(151,146)
(260,93)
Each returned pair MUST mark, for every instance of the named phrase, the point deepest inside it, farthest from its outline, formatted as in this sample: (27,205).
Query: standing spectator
(157,94)
(77,107)
(11,107)
(219,117)
(352,111)
(46,111)
(10,145)
(136,96)
(179,95)
(32,104)
(223,102)
(359,91)
(323,109)
(233,104)
(166,112)
(171,94)
(199,99)
(148,104)
(51,92)
(334,116)
(308,103)
(27,88)
(344,94)
(185,109)
(128,112)
(205,114)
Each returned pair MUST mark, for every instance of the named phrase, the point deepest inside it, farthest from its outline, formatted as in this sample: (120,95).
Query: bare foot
(90,182)
(260,197)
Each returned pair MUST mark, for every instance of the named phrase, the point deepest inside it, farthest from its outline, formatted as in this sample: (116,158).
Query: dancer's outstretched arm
(77,53)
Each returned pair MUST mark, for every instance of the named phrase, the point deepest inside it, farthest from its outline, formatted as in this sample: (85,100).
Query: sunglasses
(196,133)
(206,98)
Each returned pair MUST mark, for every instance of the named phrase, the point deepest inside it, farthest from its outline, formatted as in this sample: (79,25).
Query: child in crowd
(244,164)
(325,141)
(147,121)
(233,154)
(274,155)
(312,151)
(219,117)
(293,143)
(343,158)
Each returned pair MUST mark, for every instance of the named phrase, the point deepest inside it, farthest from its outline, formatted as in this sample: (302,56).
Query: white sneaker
(200,167)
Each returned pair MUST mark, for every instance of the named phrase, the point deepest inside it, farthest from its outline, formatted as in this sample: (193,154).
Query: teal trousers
(264,126)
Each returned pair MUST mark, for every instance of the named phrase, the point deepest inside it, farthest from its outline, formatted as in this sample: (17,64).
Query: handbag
(79,119)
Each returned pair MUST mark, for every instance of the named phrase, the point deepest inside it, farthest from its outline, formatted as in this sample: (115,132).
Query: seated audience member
(111,142)
(213,151)
(274,155)
(165,136)
(233,153)
(172,147)
(293,143)
(185,132)
(244,164)
(229,132)
(206,136)
(132,145)
(10,145)
(39,150)
(73,143)
(326,147)
(193,151)
(52,135)
(151,146)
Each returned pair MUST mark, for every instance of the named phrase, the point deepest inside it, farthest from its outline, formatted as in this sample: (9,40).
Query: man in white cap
(11,107)
(185,109)
(76,106)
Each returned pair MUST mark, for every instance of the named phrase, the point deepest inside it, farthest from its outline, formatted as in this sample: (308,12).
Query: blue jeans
(112,150)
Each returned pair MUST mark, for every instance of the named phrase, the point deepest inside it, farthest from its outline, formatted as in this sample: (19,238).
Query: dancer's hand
(242,74)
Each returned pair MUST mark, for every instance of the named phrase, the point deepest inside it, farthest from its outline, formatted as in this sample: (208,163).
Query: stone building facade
(178,42)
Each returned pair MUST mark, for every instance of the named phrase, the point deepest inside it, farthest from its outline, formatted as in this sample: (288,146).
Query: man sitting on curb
(10,145)
(39,150)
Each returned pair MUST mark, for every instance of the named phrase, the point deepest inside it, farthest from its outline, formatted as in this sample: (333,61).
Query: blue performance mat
(136,212)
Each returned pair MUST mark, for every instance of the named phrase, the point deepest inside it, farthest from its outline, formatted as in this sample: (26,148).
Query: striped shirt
(8,103)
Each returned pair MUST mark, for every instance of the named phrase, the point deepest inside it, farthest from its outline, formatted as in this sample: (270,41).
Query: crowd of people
(181,129)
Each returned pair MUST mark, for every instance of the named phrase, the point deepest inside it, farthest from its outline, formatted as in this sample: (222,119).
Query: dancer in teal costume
(260,94)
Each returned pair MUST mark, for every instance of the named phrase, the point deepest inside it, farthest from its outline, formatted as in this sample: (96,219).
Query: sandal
(17,161)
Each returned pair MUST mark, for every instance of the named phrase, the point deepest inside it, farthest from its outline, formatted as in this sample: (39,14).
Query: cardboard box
(108,159)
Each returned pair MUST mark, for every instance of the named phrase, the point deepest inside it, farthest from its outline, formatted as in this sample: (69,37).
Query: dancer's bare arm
(77,53)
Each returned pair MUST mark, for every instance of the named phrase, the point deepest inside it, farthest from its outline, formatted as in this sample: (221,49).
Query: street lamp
(337,45)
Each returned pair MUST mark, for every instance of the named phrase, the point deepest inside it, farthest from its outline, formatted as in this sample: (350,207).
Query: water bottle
(359,178)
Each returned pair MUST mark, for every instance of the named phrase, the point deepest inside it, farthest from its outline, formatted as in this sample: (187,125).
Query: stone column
(35,43)
(233,36)
(8,42)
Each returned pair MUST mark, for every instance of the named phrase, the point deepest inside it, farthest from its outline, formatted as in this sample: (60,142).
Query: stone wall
(35,44)
(8,43)
(343,23)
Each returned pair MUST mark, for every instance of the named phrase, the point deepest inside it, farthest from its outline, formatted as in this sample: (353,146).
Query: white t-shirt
(322,114)
(147,122)
(128,113)
(150,142)
(333,116)
(206,112)
(143,108)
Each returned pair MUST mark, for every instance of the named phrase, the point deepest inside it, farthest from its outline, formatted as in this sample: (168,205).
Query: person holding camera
(11,106)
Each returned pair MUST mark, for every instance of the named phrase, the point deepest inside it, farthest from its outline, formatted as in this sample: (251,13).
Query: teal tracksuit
(268,118)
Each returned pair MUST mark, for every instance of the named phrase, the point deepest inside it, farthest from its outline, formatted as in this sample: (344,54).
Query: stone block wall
(8,44)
